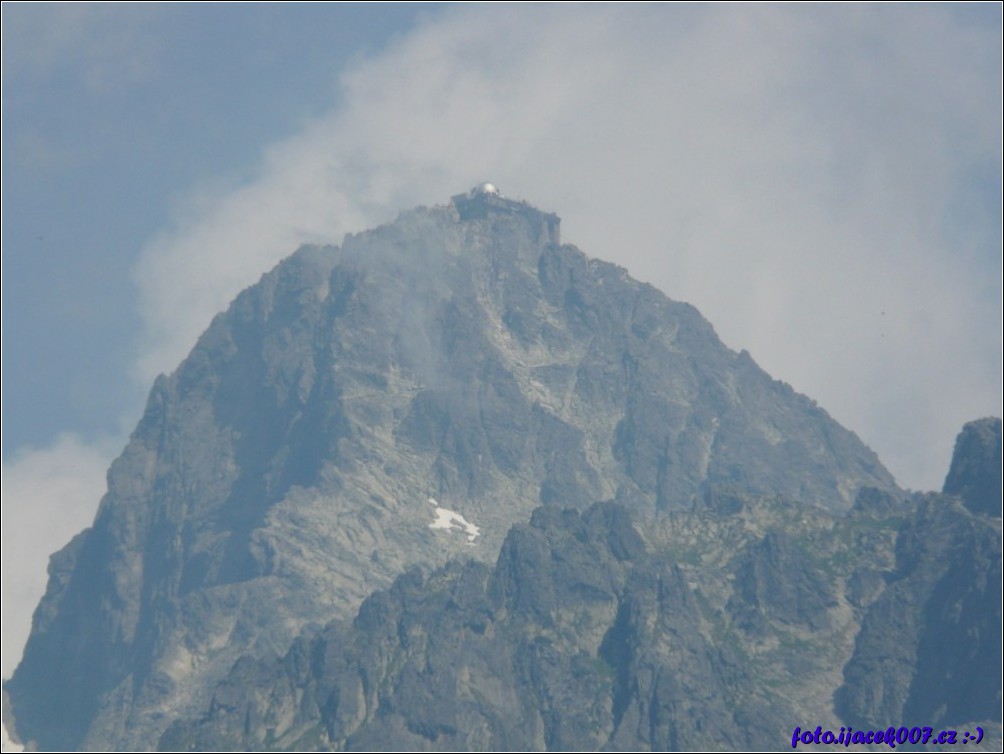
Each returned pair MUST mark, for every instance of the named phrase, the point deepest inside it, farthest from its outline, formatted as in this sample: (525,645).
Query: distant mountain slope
(585,636)
(283,472)
(578,638)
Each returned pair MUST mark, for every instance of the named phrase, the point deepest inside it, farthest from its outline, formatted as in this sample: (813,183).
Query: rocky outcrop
(930,645)
(587,635)
(975,475)
(578,639)
(775,579)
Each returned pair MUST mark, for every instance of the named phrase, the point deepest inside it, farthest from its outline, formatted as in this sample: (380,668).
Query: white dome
(485,188)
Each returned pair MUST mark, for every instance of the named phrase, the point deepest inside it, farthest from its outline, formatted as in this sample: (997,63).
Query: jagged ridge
(586,637)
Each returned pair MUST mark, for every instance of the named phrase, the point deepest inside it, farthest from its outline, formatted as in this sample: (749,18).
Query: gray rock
(960,642)
(282,473)
(775,579)
(930,646)
(975,475)
(565,645)
(585,637)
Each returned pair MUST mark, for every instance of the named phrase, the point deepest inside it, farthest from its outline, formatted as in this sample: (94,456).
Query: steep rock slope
(587,635)
(576,640)
(975,475)
(458,355)
(930,646)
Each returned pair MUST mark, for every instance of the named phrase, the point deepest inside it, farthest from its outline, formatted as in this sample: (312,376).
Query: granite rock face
(578,639)
(930,645)
(975,475)
(441,368)
(776,579)
(591,633)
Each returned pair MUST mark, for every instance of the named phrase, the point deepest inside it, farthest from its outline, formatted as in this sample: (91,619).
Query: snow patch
(447,519)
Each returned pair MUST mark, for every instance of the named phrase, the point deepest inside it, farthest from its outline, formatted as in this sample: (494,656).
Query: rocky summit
(364,514)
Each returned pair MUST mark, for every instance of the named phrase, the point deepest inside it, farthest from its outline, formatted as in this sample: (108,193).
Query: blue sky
(823,183)
(110,116)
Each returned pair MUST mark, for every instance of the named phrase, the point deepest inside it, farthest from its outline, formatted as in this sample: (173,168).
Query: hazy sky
(822,182)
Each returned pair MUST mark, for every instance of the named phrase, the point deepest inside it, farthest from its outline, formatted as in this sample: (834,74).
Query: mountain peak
(485,200)
(283,472)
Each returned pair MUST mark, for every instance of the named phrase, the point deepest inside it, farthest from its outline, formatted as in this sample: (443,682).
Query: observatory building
(485,200)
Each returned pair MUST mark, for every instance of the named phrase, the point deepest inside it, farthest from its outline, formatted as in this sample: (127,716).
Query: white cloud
(49,495)
(803,176)
(7,744)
